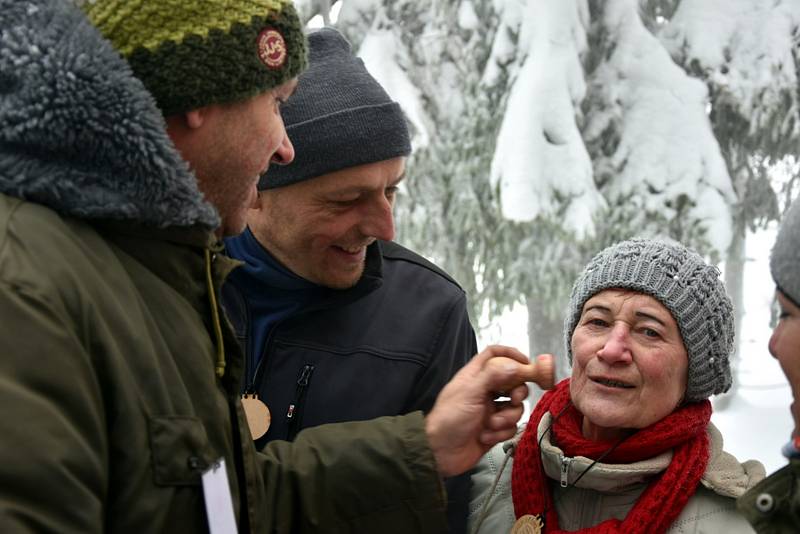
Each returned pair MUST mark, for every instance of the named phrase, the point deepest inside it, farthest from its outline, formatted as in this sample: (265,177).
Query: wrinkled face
(785,346)
(630,366)
(240,141)
(320,228)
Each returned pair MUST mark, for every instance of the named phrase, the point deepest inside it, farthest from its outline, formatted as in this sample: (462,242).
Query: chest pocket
(179,449)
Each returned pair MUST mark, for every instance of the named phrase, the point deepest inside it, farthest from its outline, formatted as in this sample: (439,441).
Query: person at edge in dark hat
(773,506)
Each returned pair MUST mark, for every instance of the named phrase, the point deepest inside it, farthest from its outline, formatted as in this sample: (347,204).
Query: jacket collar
(78,132)
(370,280)
(724,474)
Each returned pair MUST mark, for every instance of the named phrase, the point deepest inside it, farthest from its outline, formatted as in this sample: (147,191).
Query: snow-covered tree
(749,64)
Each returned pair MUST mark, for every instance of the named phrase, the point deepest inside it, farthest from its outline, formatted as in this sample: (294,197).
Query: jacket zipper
(253,382)
(294,415)
(565,463)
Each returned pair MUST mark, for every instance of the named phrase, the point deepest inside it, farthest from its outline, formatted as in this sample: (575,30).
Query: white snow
(380,51)
(758,422)
(667,147)
(503,48)
(749,51)
(467,19)
(540,153)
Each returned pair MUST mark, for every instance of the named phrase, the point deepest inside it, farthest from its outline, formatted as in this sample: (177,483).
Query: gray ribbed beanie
(785,260)
(686,285)
(339,117)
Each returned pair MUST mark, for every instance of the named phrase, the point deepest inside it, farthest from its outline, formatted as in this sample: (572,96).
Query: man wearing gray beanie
(338,322)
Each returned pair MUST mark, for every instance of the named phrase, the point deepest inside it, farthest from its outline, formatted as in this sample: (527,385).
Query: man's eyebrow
(398,180)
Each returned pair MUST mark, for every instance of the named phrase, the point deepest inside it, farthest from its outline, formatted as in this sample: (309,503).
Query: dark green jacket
(773,506)
(110,329)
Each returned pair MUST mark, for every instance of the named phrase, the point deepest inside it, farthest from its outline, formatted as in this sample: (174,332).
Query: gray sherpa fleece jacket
(78,132)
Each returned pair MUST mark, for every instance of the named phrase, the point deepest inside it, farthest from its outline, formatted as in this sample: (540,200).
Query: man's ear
(183,123)
(194,118)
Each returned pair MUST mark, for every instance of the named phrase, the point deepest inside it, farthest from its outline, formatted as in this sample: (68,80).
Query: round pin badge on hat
(271,48)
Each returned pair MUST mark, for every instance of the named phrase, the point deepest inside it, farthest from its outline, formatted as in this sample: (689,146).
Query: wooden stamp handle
(542,371)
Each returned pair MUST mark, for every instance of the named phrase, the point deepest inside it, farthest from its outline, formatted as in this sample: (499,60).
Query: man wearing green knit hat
(219,70)
(132,136)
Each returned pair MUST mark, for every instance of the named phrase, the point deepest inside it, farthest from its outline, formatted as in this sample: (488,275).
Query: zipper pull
(302,383)
(565,462)
(305,376)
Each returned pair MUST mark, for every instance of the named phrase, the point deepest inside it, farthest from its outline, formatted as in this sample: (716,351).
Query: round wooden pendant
(257,413)
(528,524)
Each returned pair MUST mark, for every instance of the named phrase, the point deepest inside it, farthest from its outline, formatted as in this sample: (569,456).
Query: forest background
(545,130)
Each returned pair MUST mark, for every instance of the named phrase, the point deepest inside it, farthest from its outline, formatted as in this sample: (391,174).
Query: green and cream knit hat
(192,53)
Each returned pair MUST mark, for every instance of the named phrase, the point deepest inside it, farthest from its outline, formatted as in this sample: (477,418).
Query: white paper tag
(219,503)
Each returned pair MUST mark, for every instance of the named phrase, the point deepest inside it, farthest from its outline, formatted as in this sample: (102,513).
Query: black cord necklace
(567,486)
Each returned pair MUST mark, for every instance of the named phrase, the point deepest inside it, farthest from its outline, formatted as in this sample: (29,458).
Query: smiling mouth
(351,250)
(612,383)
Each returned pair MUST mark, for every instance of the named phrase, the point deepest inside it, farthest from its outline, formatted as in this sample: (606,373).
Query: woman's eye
(649,332)
(596,322)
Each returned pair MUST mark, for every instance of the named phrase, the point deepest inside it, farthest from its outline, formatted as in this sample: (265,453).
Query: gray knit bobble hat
(686,285)
(785,260)
(339,116)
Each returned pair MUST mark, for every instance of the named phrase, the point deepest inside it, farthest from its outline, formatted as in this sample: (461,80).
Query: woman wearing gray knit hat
(626,444)
(774,504)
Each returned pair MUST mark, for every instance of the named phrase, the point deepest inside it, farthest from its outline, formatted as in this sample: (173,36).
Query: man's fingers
(504,374)
(506,417)
(518,395)
(494,351)
(490,438)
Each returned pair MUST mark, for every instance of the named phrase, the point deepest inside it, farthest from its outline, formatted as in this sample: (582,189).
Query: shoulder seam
(394,251)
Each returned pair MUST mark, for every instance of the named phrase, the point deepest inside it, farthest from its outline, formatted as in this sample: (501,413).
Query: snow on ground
(757,422)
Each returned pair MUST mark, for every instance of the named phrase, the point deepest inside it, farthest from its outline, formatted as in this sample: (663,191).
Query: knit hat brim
(370,128)
(339,116)
(785,257)
(191,55)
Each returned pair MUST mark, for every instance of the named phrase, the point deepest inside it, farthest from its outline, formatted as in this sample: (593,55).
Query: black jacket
(387,346)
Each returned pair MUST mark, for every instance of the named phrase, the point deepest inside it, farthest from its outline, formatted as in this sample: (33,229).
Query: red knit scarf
(658,506)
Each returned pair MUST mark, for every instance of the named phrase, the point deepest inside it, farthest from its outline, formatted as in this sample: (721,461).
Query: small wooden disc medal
(528,524)
(257,413)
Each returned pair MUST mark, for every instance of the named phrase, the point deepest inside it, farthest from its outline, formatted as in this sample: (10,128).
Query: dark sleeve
(454,346)
(365,476)
(53,448)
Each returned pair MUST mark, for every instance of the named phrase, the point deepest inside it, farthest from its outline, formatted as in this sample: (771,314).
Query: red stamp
(271,48)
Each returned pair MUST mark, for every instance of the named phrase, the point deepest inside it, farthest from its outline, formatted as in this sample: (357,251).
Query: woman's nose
(617,346)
